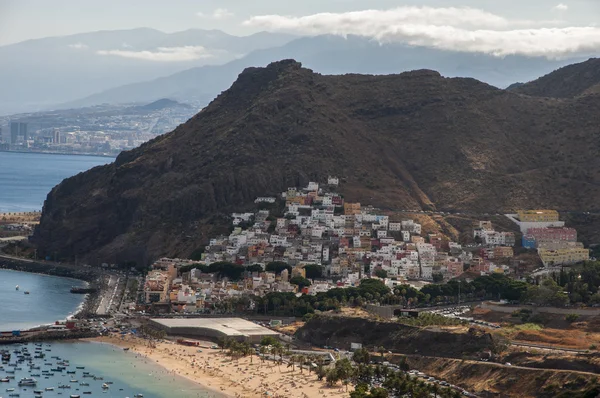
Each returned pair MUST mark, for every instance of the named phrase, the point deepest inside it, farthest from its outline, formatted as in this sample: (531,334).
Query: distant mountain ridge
(332,55)
(567,82)
(163,103)
(38,74)
(404,141)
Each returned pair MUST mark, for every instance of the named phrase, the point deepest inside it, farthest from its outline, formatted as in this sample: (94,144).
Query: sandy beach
(242,378)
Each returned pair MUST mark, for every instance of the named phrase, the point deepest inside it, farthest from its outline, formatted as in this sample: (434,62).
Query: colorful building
(563,256)
(538,215)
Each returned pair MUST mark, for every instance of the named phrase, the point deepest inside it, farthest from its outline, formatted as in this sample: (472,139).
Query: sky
(534,27)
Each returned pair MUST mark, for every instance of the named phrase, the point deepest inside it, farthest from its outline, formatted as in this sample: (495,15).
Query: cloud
(458,29)
(78,46)
(561,7)
(163,54)
(219,13)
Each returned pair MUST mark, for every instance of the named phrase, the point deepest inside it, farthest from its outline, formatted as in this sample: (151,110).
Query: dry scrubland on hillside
(413,140)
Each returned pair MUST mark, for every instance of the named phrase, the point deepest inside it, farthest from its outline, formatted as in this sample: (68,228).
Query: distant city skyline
(535,27)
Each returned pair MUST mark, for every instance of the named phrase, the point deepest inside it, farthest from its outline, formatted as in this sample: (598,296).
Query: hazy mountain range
(143,65)
(39,74)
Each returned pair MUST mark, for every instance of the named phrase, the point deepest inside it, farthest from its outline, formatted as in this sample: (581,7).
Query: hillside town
(310,240)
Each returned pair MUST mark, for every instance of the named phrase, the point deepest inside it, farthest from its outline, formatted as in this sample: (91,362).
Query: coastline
(63,153)
(212,369)
(89,276)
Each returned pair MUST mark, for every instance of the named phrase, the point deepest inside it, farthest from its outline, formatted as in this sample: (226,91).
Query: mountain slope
(399,141)
(330,55)
(567,82)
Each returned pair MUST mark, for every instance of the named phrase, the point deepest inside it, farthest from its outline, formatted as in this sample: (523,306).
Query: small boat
(49,388)
(17,287)
(26,291)
(83,384)
(74,395)
(27,381)
(98,378)
(71,372)
(10,389)
(64,386)
(105,386)
(38,391)
(74,381)
(80,367)
(139,395)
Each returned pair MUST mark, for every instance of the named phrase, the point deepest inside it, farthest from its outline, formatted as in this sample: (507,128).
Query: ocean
(49,299)
(26,178)
(126,374)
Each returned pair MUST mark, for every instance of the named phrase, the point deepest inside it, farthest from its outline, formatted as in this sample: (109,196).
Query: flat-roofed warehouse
(215,328)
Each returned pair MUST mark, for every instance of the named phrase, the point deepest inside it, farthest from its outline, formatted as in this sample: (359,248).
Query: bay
(48,301)
(130,373)
(26,178)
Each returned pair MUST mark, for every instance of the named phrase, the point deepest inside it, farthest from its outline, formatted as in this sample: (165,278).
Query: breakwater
(39,336)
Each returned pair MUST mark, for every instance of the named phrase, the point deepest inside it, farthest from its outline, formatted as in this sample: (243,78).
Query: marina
(75,369)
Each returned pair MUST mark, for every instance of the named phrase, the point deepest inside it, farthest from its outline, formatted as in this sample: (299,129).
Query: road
(548,348)
(109,294)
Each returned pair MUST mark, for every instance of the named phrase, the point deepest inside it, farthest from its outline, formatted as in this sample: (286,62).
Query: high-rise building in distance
(18,129)
(56,136)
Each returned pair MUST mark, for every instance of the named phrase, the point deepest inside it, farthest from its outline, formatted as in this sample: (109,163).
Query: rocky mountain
(39,74)
(411,140)
(567,82)
(330,55)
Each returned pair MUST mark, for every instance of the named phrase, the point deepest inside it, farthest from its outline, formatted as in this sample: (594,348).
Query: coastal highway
(109,295)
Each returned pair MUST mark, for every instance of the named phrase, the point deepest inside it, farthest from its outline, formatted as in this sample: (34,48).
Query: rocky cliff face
(413,140)
(342,331)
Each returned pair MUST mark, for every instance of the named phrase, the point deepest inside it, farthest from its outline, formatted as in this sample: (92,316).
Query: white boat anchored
(17,287)
(27,381)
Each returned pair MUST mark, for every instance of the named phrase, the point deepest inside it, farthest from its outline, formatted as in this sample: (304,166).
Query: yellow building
(563,256)
(298,271)
(296,200)
(351,208)
(417,239)
(538,215)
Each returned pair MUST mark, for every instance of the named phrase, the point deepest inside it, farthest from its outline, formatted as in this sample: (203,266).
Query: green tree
(313,271)
(381,273)
(268,340)
(278,266)
(300,282)
(572,318)
(361,356)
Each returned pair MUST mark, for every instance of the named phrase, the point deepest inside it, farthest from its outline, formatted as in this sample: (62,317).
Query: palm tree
(301,360)
(263,352)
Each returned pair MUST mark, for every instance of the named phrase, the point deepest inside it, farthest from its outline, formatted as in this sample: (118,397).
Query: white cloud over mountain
(561,7)
(78,46)
(163,54)
(460,29)
(219,13)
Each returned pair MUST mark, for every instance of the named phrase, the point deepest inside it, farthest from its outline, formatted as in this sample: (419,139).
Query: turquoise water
(49,299)
(130,373)
(26,178)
